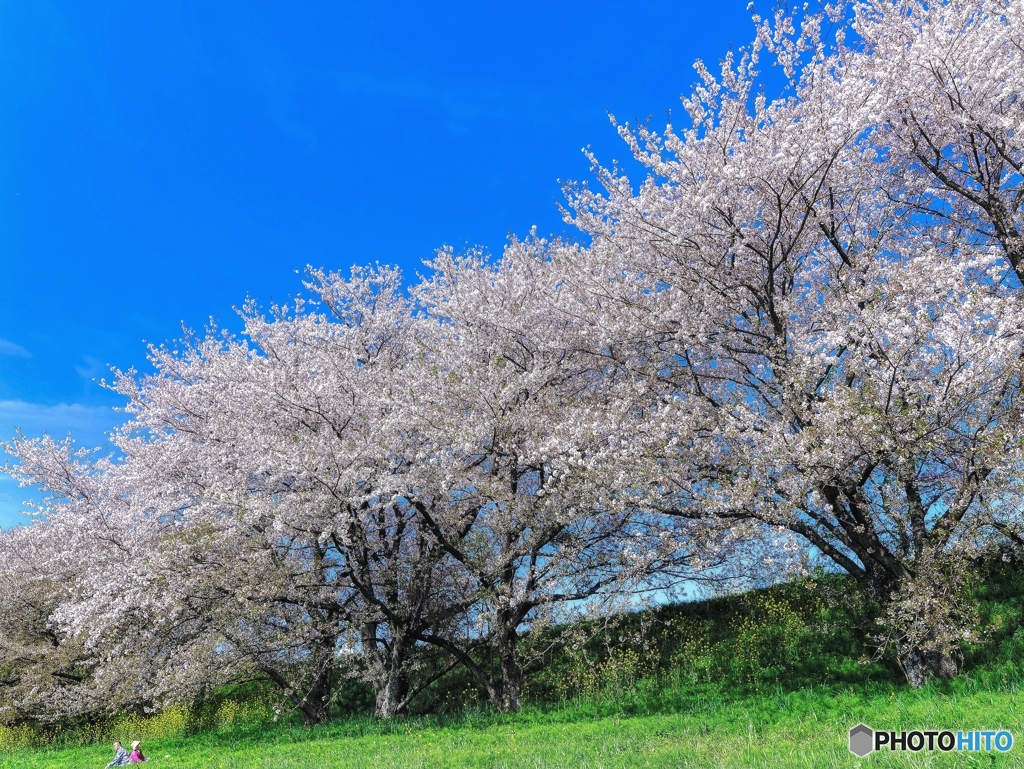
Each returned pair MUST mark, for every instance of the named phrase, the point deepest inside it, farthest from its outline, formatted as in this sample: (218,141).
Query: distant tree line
(798,341)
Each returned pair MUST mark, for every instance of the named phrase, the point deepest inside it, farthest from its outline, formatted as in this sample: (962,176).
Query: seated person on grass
(121,757)
(136,757)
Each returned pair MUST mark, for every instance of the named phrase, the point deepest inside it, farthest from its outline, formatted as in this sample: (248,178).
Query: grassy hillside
(768,678)
(799,729)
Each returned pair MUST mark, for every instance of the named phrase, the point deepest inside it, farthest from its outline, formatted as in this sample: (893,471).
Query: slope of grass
(770,678)
(806,728)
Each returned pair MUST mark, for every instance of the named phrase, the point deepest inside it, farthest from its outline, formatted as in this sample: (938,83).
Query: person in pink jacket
(136,757)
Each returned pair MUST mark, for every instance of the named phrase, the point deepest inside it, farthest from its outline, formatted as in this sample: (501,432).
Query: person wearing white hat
(136,756)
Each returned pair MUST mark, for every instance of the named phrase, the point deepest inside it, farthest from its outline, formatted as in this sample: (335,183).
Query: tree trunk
(317,699)
(388,671)
(392,685)
(315,703)
(945,666)
(914,668)
(511,684)
(390,695)
(503,691)
(921,665)
(508,700)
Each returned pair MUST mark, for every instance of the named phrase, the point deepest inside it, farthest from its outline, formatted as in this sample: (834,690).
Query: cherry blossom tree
(841,348)
(38,663)
(533,513)
(111,641)
(259,501)
(307,439)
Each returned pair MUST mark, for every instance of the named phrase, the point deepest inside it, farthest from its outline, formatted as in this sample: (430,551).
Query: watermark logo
(865,740)
(862,740)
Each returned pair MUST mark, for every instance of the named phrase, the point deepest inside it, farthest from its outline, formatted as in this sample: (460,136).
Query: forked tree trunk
(504,690)
(389,675)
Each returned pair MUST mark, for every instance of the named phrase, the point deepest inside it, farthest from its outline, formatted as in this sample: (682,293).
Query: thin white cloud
(10,348)
(92,368)
(88,425)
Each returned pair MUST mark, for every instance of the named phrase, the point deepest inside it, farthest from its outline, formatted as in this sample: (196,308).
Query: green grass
(772,678)
(806,728)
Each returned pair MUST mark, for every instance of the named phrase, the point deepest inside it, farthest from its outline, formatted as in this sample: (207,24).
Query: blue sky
(160,161)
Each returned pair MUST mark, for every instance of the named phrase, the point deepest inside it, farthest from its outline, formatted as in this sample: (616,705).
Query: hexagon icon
(862,739)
